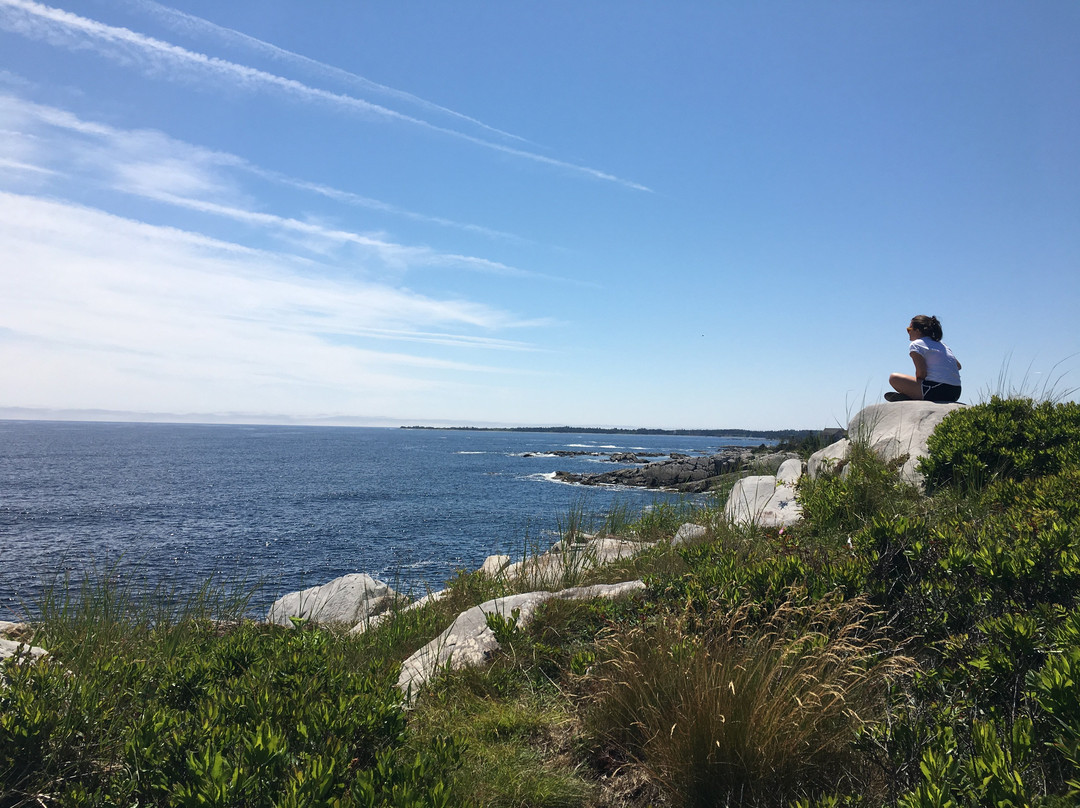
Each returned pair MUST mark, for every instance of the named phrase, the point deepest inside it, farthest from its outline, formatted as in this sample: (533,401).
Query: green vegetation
(892,649)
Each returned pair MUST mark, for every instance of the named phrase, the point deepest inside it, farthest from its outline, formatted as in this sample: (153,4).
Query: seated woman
(937,372)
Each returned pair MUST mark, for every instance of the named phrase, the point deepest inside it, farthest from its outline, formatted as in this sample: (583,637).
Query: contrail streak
(123,40)
(183,22)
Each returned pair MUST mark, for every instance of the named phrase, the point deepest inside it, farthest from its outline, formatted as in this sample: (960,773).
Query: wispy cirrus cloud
(157,167)
(18,119)
(169,61)
(104,311)
(392,253)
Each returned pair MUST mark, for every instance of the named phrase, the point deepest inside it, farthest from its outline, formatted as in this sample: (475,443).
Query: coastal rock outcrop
(686,474)
(350,599)
(891,430)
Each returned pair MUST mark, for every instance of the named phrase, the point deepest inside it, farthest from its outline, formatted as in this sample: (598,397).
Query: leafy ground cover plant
(127,710)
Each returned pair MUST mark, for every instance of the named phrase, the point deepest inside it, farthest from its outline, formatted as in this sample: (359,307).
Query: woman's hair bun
(929,326)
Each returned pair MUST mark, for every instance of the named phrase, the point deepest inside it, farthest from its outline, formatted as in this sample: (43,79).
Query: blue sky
(599,214)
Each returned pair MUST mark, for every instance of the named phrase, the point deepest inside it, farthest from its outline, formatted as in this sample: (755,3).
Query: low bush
(1014,439)
(840,502)
(126,711)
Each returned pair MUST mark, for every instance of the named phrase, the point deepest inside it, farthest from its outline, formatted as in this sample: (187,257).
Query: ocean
(285,506)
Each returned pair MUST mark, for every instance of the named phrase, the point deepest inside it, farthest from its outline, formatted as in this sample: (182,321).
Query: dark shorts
(940,393)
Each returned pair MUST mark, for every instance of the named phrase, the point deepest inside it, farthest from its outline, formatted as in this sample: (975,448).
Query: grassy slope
(891,649)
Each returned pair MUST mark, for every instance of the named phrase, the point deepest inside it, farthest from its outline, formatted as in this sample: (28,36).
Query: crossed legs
(906,385)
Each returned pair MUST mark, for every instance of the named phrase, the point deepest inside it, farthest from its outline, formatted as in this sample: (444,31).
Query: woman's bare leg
(907,385)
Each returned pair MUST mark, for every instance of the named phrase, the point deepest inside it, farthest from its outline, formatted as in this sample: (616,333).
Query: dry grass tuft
(745,711)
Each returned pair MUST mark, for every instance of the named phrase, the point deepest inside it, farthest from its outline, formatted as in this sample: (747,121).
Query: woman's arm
(920,366)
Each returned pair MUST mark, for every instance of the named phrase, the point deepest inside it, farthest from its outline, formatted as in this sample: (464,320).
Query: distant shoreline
(769,434)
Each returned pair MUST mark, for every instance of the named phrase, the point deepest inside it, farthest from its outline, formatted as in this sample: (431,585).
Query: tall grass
(1048,389)
(107,610)
(746,712)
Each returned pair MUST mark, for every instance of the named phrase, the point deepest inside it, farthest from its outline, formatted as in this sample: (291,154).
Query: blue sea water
(287,506)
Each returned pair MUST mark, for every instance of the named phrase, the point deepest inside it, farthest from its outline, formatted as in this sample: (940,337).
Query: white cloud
(172,62)
(106,312)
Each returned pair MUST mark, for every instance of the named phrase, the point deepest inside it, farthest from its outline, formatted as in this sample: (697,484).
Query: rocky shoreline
(682,473)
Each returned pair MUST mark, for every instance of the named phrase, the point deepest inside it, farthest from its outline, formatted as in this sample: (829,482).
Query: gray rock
(688,532)
(566,559)
(382,617)
(350,599)
(681,473)
(10,648)
(789,472)
(829,458)
(494,564)
(748,498)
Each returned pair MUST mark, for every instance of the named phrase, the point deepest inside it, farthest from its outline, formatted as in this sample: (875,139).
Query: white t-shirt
(940,362)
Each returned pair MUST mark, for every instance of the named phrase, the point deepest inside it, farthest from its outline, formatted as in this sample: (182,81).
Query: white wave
(550,477)
(547,477)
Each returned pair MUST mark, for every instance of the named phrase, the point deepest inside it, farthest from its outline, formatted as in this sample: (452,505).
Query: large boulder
(469,641)
(891,430)
(350,599)
(767,500)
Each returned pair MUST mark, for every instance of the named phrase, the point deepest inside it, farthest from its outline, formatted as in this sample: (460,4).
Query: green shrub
(1014,438)
(844,501)
(130,710)
(991,775)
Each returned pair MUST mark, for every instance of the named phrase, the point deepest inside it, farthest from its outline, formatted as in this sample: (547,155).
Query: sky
(614,213)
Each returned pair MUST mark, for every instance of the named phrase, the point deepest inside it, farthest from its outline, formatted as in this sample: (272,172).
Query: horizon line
(92,415)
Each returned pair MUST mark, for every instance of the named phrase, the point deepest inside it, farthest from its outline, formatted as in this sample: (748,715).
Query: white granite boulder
(469,641)
(891,430)
(494,564)
(767,500)
(11,647)
(350,599)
